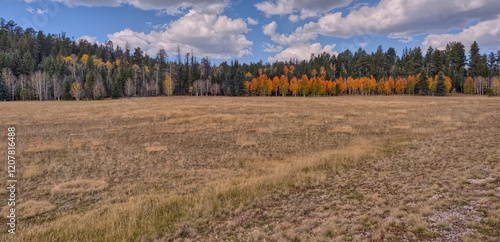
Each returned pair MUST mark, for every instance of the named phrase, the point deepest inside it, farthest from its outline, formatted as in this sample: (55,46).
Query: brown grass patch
(79,186)
(346,129)
(398,111)
(442,118)
(32,171)
(401,127)
(324,169)
(156,148)
(245,142)
(33,208)
(46,148)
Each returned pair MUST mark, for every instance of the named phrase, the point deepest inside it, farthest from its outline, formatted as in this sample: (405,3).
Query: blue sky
(265,30)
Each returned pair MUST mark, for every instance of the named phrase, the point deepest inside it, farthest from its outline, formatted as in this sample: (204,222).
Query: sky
(267,30)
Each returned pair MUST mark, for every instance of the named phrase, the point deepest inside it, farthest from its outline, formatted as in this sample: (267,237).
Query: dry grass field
(377,168)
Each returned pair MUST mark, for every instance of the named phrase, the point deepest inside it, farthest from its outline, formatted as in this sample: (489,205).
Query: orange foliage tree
(389,86)
(410,84)
(294,86)
(400,86)
(283,85)
(275,85)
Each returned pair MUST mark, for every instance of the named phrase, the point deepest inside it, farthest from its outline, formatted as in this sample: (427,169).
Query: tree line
(39,66)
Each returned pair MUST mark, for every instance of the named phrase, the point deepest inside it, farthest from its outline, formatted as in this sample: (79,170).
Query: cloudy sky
(265,30)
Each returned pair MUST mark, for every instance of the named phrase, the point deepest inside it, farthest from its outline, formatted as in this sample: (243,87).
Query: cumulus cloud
(172,7)
(403,19)
(299,46)
(252,21)
(486,33)
(215,36)
(293,18)
(292,39)
(270,48)
(302,52)
(303,8)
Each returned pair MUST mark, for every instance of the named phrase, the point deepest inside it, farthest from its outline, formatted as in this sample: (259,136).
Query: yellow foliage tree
(168,85)
(84,58)
(469,86)
(76,90)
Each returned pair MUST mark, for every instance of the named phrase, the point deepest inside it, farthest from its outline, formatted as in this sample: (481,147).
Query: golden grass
(212,168)
(79,186)
(346,129)
(45,148)
(31,171)
(33,208)
(156,148)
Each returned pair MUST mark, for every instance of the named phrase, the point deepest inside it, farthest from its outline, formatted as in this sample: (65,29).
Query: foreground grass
(209,168)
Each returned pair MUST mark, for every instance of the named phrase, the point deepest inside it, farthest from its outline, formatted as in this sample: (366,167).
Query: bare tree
(129,87)
(215,90)
(98,91)
(58,89)
(479,82)
(10,80)
(39,81)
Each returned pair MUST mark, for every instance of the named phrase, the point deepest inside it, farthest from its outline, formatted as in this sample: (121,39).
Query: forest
(39,66)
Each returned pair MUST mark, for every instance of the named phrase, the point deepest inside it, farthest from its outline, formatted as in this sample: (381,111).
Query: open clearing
(257,168)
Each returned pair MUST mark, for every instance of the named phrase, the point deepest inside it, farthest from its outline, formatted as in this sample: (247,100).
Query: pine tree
(440,86)
(474,60)
(4,91)
(423,83)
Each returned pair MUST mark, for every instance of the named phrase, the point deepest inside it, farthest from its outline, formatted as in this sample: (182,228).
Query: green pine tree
(440,86)
(423,83)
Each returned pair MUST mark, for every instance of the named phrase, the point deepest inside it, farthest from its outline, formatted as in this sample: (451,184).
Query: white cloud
(37,11)
(305,8)
(302,52)
(403,19)
(486,33)
(298,45)
(207,35)
(172,7)
(402,39)
(88,39)
(160,26)
(292,39)
(252,21)
(270,48)
(293,18)
(363,44)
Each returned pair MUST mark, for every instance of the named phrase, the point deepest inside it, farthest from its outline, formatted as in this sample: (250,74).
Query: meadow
(256,168)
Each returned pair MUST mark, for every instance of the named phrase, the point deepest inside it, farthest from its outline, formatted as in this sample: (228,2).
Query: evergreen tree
(440,86)
(4,91)
(27,63)
(428,59)
(67,90)
(474,60)
(423,83)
